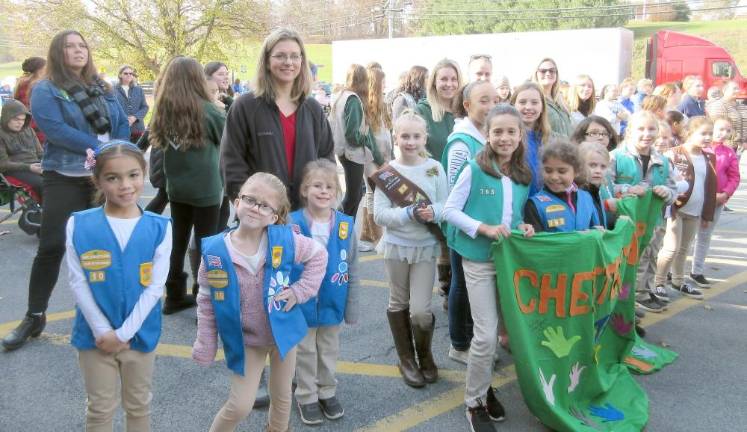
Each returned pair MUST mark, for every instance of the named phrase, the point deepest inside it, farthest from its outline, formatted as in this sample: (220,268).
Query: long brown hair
(179,113)
(555,85)
(264,85)
(516,168)
(356,81)
(58,72)
(542,125)
(415,82)
(377,113)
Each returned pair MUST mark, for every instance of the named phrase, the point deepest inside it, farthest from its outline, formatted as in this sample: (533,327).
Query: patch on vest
(554,208)
(403,189)
(277,255)
(217,278)
(552,223)
(214,261)
(543,198)
(97,276)
(146,273)
(219,295)
(344,230)
(96,259)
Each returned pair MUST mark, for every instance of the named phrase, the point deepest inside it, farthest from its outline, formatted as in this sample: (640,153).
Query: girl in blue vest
(561,206)
(118,261)
(597,160)
(472,105)
(246,297)
(486,204)
(410,247)
(636,167)
(337,298)
(530,102)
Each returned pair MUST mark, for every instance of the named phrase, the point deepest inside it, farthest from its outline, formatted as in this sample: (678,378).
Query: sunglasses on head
(480,56)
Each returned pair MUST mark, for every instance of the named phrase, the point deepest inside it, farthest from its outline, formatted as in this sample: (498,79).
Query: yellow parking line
(368,258)
(5,328)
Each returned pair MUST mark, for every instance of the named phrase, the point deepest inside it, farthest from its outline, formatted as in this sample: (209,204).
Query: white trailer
(604,54)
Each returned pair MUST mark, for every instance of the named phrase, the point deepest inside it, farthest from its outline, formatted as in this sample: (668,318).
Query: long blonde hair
(575,103)
(377,114)
(437,108)
(264,86)
(555,85)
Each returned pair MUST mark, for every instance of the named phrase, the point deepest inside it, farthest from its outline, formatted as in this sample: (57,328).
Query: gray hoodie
(18,150)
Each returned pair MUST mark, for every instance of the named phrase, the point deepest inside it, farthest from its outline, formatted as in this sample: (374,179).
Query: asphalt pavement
(704,390)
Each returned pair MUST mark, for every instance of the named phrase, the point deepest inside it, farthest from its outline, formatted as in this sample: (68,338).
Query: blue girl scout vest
(288,328)
(557,216)
(328,307)
(117,277)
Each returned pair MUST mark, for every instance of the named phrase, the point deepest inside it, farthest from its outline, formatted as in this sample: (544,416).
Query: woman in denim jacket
(77,111)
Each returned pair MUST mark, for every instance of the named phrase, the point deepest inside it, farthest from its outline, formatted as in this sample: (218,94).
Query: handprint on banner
(547,387)
(621,326)
(575,412)
(608,412)
(575,377)
(277,285)
(625,291)
(557,342)
(643,352)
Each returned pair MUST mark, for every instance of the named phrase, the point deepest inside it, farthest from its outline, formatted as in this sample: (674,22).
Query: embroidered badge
(344,230)
(146,273)
(219,295)
(277,284)
(277,255)
(543,198)
(217,278)
(96,259)
(403,189)
(554,208)
(552,223)
(97,276)
(341,276)
(214,261)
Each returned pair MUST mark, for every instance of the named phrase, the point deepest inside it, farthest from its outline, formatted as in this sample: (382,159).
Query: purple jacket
(727,168)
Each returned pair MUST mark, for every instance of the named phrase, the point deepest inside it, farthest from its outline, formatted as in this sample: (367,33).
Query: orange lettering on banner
(612,281)
(577,295)
(532,276)
(631,251)
(547,292)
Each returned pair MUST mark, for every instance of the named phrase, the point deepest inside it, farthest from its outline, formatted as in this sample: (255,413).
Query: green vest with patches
(485,204)
(628,171)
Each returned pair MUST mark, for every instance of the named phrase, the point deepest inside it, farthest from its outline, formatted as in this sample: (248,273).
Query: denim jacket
(68,133)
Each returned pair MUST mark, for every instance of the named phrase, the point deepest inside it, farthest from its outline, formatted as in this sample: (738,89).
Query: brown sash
(403,193)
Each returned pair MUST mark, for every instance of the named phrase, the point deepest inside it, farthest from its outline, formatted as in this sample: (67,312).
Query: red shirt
(288,124)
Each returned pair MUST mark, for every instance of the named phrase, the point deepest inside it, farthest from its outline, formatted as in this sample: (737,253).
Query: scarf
(91,102)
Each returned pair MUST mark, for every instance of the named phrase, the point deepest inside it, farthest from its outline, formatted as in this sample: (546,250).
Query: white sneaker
(365,246)
(458,356)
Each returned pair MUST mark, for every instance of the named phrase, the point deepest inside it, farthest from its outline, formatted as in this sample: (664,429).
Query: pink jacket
(254,322)
(727,168)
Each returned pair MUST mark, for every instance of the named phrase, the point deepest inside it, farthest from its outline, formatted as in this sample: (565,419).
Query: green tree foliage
(439,17)
(682,12)
(145,33)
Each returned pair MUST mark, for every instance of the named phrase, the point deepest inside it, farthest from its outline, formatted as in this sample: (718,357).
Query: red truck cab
(671,56)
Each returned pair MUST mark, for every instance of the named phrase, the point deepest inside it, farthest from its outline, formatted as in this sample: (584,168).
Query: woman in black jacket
(277,128)
(132,99)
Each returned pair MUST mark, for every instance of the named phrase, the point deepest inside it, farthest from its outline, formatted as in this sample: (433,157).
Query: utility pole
(644,10)
(390,17)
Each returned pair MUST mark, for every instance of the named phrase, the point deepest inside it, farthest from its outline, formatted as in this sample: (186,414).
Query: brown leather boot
(399,323)
(423,339)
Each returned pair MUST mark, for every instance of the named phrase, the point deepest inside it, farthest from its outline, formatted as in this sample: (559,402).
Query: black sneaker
(639,313)
(727,209)
(311,414)
(660,292)
(479,420)
(669,277)
(650,304)
(700,280)
(331,408)
(494,407)
(689,291)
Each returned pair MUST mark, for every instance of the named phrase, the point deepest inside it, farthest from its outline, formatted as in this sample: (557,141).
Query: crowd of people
(443,165)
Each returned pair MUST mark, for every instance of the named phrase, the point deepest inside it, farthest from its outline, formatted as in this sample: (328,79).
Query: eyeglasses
(283,58)
(128,73)
(263,208)
(551,71)
(480,56)
(596,134)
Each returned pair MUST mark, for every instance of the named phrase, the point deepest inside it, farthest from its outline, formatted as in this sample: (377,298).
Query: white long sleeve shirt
(96,319)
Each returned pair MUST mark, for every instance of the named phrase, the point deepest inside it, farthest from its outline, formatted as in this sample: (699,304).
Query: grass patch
(12,69)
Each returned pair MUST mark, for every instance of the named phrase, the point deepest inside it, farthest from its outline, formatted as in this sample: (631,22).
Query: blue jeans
(460,316)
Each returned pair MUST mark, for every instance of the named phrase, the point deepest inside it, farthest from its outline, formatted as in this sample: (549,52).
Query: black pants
(65,195)
(33,180)
(158,203)
(184,217)
(354,187)
(225,213)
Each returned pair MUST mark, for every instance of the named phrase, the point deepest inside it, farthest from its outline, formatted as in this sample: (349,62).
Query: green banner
(568,303)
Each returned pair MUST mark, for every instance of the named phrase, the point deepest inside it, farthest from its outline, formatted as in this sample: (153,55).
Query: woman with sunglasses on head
(546,75)
(480,67)
(77,112)
(132,99)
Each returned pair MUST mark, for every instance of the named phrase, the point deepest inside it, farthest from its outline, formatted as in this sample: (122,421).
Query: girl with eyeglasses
(546,75)
(596,129)
(247,298)
(187,127)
